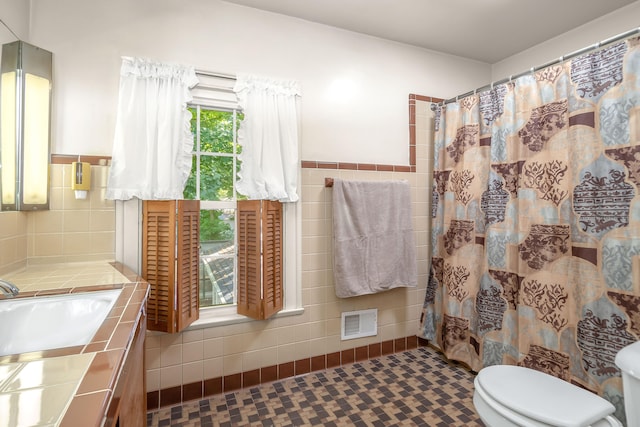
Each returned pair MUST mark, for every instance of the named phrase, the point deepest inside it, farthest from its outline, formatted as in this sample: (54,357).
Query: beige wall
(201,354)
(70,231)
(83,230)
(13,241)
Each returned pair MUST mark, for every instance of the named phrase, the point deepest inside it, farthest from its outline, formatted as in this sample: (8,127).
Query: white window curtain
(269,138)
(151,157)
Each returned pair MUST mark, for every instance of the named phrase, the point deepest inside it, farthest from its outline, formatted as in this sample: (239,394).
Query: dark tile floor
(414,388)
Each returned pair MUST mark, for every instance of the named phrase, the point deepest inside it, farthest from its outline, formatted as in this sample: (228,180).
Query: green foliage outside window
(213,163)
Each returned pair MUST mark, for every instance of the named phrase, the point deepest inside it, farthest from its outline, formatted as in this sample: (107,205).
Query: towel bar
(328,182)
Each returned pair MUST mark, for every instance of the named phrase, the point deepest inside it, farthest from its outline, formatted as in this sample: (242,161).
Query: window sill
(223,316)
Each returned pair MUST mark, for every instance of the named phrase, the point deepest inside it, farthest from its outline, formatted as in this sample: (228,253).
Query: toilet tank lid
(543,397)
(628,359)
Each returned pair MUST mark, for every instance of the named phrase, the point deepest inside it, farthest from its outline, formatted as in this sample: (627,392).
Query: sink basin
(49,322)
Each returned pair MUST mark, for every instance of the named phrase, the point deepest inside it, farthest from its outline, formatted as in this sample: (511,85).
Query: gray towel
(374,243)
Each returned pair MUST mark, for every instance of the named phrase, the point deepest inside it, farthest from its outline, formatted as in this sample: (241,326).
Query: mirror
(25,116)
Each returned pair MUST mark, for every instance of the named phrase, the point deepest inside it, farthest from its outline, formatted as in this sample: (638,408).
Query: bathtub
(50,322)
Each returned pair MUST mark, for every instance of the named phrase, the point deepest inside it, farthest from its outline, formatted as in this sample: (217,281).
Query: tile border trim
(202,389)
(67,159)
(313,164)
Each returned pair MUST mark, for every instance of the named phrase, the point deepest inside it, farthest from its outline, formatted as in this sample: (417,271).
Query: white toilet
(507,396)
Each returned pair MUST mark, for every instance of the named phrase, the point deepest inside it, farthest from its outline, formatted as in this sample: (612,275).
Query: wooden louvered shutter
(259,279)
(188,262)
(271,257)
(249,260)
(170,260)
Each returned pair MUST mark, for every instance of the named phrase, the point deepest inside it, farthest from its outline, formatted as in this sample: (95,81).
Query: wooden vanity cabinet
(129,404)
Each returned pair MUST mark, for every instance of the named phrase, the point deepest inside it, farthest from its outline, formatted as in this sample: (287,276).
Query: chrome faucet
(8,289)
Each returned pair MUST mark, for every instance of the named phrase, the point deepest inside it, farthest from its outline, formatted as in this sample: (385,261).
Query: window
(216,119)
(212,181)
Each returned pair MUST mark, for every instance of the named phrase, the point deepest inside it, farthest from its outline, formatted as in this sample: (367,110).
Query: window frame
(199,154)
(215,91)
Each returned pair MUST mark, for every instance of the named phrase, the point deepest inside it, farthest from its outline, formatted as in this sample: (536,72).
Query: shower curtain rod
(560,60)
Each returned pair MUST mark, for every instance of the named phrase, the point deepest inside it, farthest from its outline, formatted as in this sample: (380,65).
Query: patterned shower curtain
(536,222)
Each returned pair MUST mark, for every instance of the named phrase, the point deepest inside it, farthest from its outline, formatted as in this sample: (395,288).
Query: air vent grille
(358,324)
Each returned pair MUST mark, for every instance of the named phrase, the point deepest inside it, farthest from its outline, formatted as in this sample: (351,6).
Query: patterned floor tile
(414,388)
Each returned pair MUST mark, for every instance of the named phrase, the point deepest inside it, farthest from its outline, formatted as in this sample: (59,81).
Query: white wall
(355,87)
(15,15)
(605,27)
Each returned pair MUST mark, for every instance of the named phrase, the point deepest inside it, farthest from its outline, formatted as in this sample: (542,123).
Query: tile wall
(13,241)
(201,362)
(70,231)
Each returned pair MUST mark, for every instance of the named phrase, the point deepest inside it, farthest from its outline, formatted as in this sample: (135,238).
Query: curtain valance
(269,138)
(153,142)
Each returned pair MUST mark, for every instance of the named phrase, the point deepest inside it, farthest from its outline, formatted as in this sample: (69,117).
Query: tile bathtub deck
(414,388)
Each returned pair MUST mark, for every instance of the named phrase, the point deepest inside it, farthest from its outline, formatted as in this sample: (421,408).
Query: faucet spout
(8,289)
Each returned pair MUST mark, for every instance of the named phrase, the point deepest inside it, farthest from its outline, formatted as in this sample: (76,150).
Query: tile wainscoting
(202,389)
(203,362)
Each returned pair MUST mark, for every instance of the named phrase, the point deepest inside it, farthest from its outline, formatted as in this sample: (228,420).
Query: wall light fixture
(25,126)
